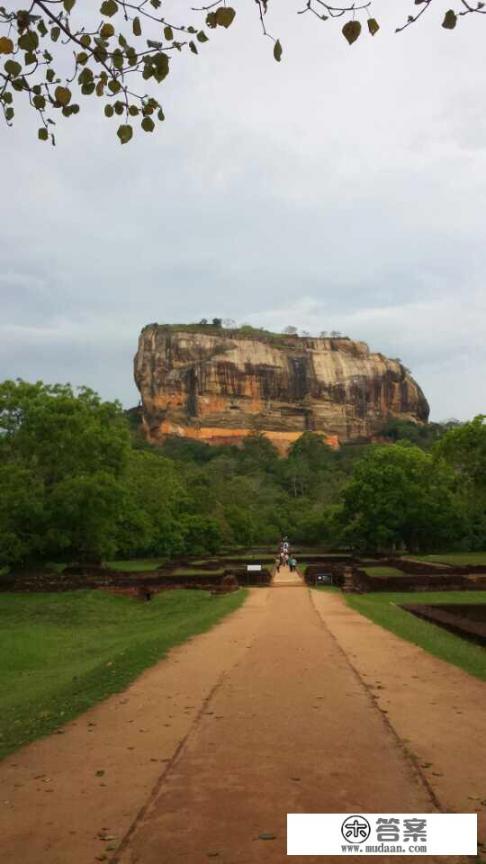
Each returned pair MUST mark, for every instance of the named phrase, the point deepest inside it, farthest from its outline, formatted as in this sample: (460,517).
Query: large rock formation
(218,385)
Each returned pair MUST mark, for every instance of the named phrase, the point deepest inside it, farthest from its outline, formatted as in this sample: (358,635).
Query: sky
(341,189)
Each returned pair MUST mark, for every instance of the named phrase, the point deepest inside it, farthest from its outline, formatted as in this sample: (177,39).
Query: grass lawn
(383,609)
(64,652)
(383,571)
(459,558)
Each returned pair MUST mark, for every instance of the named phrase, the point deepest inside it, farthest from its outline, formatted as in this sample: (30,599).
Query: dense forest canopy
(79,482)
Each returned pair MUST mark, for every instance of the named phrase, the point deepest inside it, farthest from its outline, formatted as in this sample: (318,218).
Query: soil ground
(293,703)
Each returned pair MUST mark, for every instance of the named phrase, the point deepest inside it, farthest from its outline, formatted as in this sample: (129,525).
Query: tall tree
(400,497)
(65,453)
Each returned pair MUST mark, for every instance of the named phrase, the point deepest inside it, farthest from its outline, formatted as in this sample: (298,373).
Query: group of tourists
(285,558)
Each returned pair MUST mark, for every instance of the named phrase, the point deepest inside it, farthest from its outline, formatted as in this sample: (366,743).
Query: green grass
(64,652)
(136,565)
(383,571)
(459,558)
(383,609)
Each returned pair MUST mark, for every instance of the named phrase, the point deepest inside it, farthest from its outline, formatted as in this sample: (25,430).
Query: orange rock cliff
(219,385)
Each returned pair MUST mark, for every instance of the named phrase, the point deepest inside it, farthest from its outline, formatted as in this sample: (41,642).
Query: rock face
(218,385)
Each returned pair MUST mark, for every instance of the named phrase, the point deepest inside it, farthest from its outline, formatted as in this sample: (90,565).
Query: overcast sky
(344,188)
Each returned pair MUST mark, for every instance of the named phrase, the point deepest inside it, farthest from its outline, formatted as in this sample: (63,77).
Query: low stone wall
(78,577)
(443,580)
(467,621)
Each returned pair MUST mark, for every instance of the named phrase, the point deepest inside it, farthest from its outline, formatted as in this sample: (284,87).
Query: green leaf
(351,31)
(450,20)
(68,5)
(62,95)
(201,36)
(117,59)
(136,27)
(109,111)
(6,45)
(55,33)
(148,124)
(42,134)
(12,68)
(211,20)
(193,47)
(125,133)
(373,26)
(39,102)
(160,64)
(168,33)
(29,40)
(109,8)
(277,51)
(107,30)
(225,16)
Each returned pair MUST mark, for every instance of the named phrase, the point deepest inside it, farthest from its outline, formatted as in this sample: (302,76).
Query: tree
(422,434)
(63,456)
(464,449)
(400,497)
(258,453)
(201,534)
(290,330)
(309,459)
(155,501)
(57,49)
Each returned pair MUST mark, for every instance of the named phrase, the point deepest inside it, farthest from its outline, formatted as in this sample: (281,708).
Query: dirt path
(209,750)
(284,576)
(437,710)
